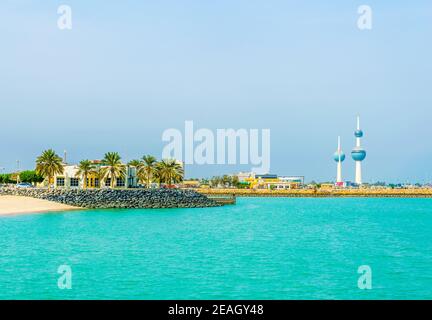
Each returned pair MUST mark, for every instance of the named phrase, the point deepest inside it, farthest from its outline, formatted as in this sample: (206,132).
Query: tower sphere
(358,133)
(358,154)
(336,156)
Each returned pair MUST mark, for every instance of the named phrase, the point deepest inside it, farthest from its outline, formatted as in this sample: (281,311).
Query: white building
(70,179)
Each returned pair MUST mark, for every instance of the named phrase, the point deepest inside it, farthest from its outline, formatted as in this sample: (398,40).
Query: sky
(128,70)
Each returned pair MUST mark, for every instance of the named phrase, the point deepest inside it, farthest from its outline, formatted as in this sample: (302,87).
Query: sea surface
(260,248)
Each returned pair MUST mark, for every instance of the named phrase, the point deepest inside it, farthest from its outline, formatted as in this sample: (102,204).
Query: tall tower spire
(357,131)
(339,157)
(358,153)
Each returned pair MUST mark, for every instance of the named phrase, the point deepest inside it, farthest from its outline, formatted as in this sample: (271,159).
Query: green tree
(235,181)
(5,178)
(169,171)
(226,180)
(204,181)
(147,171)
(113,168)
(30,176)
(48,164)
(99,174)
(135,163)
(215,181)
(84,168)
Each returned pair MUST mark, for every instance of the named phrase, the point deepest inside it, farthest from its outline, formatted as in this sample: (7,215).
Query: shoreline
(309,193)
(17,205)
(105,199)
(22,204)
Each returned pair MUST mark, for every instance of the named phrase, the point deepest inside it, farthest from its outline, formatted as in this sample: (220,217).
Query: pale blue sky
(128,70)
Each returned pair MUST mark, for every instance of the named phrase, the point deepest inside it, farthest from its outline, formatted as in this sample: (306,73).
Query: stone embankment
(117,198)
(320,193)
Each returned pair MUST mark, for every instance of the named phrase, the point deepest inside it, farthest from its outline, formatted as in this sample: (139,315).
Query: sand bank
(10,205)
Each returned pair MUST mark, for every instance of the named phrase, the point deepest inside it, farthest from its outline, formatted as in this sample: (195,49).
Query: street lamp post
(18,172)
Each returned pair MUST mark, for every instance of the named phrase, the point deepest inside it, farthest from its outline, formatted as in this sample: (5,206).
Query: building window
(74,182)
(96,182)
(108,182)
(90,182)
(60,182)
(120,182)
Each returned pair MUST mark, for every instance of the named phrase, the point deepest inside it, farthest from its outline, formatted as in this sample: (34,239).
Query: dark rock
(118,198)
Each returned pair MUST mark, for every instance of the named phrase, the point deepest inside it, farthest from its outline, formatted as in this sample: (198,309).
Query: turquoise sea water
(261,248)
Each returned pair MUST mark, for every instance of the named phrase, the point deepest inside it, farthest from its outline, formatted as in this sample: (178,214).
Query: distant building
(69,178)
(358,153)
(293,179)
(326,186)
(243,176)
(339,157)
(270,181)
(190,184)
(351,184)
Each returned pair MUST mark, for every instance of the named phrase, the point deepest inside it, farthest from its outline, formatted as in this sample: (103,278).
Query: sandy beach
(11,205)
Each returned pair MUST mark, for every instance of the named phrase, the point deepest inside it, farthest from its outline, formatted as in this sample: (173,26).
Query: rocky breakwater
(118,198)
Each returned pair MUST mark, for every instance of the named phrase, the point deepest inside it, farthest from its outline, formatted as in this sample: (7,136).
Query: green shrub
(30,176)
(5,178)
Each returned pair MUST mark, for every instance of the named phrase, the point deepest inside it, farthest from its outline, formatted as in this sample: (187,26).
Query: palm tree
(99,174)
(147,171)
(235,181)
(48,164)
(216,181)
(169,171)
(226,180)
(135,163)
(113,168)
(84,168)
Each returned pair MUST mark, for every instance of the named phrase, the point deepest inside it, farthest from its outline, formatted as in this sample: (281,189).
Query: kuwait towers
(339,157)
(358,153)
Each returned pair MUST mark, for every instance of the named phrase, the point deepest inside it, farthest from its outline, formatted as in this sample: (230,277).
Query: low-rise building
(271,181)
(70,178)
(190,184)
(326,186)
(244,176)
